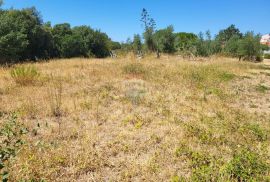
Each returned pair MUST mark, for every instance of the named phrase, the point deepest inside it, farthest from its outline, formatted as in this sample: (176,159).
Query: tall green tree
(185,41)
(22,35)
(149,30)
(13,38)
(137,43)
(164,40)
(232,46)
(226,34)
(250,47)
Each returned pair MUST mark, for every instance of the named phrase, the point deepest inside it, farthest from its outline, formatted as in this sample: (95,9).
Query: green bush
(24,75)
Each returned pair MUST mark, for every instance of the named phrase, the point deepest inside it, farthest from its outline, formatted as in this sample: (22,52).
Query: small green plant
(256,131)
(247,165)
(225,76)
(25,75)
(204,167)
(177,179)
(11,140)
(262,88)
(134,69)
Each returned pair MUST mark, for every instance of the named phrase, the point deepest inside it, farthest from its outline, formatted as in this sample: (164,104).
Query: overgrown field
(129,120)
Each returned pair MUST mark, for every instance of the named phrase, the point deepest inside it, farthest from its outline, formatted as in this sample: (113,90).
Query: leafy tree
(100,46)
(13,39)
(60,32)
(22,36)
(127,46)
(250,47)
(164,40)
(184,41)
(226,34)
(72,46)
(115,45)
(137,43)
(232,45)
(201,46)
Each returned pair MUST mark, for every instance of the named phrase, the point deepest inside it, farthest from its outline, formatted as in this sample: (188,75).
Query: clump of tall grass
(25,75)
(134,69)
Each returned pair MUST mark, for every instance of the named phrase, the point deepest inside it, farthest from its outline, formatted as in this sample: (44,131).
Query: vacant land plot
(148,120)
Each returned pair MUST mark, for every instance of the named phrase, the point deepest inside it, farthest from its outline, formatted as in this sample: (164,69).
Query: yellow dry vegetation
(141,120)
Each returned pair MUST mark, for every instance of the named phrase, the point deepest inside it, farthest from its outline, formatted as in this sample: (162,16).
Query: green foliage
(267,56)
(184,40)
(250,47)
(231,47)
(24,75)
(164,40)
(225,35)
(204,46)
(247,165)
(11,140)
(259,133)
(262,88)
(81,41)
(24,36)
(137,43)
(13,40)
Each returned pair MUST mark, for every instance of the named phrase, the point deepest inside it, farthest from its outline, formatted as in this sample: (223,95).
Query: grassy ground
(148,120)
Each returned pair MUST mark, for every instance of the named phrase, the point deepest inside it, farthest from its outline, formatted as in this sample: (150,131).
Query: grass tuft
(25,75)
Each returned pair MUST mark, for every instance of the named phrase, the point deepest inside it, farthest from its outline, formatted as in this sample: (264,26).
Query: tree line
(24,36)
(228,42)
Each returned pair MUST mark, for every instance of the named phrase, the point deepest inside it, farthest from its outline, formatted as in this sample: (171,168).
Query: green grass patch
(247,165)
(262,88)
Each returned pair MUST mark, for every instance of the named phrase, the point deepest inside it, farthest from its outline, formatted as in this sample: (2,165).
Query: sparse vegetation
(155,120)
(11,141)
(167,106)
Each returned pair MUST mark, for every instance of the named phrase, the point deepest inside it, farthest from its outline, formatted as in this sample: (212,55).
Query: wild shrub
(247,165)
(11,140)
(25,75)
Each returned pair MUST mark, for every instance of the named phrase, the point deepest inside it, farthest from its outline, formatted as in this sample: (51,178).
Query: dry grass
(159,120)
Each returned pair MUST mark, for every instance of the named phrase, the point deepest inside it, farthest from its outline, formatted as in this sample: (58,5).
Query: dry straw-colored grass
(156,120)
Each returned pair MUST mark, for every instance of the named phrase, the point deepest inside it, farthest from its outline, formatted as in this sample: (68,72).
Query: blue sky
(120,18)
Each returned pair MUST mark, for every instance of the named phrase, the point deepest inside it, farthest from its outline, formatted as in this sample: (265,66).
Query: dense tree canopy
(24,36)
(164,40)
